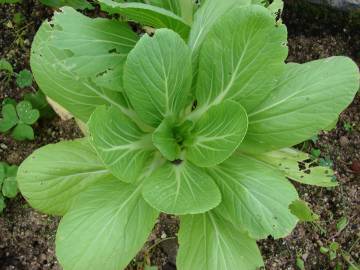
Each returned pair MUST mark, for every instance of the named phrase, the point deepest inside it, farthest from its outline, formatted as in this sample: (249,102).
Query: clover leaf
(24,78)
(19,119)
(195,119)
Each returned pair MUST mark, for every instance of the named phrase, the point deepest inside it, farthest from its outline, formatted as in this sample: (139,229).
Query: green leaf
(6,66)
(39,102)
(209,242)
(10,2)
(158,75)
(10,187)
(53,175)
(205,18)
(24,78)
(300,263)
(181,189)
(9,117)
(103,41)
(2,203)
(77,4)
(172,5)
(122,146)
(2,172)
(106,228)
(302,103)
(64,74)
(217,134)
(302,211)
(288,160)
(341,224)
(11,171)
(256,196)
(26,113)
(23,132)
(148,15)
(247,69)
(164,138)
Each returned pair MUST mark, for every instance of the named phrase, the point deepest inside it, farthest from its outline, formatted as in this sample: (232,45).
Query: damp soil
(27,237)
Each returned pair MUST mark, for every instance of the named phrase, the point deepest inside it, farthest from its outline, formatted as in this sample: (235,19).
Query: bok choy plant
(195,120)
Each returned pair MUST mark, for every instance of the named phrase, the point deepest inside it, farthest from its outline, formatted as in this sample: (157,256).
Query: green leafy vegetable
(194,120)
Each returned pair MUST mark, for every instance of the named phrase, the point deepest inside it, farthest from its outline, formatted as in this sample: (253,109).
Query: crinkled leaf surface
(106,228)
(26,113)
(158,76)
(148,15)
(255,196)
(52,176)
(288,160)
(120,143)
(241,58)
(9,117)
(63,82)
(209,242)
(181,189)
(217,134)
(308,98)
(205,18)
(23,132)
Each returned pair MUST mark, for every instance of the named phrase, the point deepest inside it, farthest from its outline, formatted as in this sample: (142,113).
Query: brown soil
(27,237)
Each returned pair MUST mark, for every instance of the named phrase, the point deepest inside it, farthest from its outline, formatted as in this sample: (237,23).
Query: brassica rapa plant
(195,120)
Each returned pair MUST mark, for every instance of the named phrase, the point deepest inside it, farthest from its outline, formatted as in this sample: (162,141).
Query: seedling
(39,102)
(195,121)
(24,78)
(341,224)
(8,183)
(348,127)
(18,119)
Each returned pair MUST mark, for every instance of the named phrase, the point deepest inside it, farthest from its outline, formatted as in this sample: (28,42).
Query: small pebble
(344,141)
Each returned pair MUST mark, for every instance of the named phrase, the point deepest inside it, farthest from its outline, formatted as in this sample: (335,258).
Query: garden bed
(27,237)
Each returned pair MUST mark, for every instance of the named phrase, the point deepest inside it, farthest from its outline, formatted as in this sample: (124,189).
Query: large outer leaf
(123,147)
(61,81)
(217,134)
(255,196)
(287,161)
(148,15)
(240,58)
(308,98)
(98,46)
(158,76)
(54,175)
(209,242)
(172,5)
(205,18)
(106,228)
(181,189)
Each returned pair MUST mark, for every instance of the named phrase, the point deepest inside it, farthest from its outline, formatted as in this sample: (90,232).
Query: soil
(27,237)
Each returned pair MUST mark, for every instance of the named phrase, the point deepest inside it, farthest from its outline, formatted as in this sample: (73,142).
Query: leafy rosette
(193,124)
